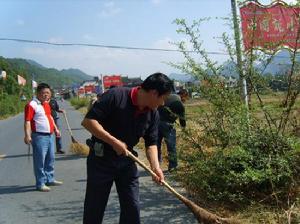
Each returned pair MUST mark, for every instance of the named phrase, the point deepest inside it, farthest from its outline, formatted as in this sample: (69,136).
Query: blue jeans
(43,158)
(58,141)
(168,132)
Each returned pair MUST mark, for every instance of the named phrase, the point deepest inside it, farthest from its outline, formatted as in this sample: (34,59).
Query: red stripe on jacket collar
(134,95)
(134,99)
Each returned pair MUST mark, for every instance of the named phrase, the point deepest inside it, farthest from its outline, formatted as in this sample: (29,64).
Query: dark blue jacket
(117,114)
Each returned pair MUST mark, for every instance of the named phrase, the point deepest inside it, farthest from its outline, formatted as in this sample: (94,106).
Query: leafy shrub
(10,105)
(262,165)
(79,102)
(234,153)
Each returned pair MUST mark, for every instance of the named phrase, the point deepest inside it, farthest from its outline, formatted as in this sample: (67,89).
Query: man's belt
(41,133)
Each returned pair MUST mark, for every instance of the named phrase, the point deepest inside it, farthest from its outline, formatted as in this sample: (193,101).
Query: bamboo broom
(76,147)
(202,215)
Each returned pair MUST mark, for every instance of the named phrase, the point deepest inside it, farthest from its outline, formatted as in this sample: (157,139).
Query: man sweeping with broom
(116,123)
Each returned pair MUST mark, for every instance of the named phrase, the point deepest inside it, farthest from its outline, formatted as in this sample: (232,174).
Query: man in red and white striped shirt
(39,127)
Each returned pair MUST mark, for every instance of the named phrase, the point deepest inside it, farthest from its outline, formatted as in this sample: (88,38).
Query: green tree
(254,158)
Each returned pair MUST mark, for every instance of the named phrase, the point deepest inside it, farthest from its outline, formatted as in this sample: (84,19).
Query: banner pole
(102,83)
(242,80)
(33,90)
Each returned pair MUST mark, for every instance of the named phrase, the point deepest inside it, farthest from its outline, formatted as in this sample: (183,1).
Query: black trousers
(101,173)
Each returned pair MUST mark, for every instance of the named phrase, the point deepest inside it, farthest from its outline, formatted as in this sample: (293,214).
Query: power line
(112,46)
(102,46)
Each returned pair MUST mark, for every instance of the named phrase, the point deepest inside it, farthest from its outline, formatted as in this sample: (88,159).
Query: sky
(128,23)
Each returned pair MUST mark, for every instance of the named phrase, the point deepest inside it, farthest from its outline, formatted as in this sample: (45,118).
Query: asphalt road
(20,203)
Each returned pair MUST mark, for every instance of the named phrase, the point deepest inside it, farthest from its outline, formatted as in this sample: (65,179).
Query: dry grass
(83,110)
(142,155)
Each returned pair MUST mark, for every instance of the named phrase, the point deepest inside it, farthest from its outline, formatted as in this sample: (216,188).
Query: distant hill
(229,69)
(53,77)
(71,72)
(32,62)
(280,63)
(181,77)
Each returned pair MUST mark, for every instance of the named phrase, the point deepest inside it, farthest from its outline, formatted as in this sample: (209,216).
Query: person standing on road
(169,113)
(116,122)
(54,110)
(39,127)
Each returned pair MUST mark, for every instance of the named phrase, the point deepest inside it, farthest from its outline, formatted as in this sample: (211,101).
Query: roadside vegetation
(11,92)
(238,160)
(255,181)
(13,97)
(10,105)
(80,103)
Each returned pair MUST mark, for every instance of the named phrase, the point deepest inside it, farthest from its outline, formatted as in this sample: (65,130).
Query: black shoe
(60,152)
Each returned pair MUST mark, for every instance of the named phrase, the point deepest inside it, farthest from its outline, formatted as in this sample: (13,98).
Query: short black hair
(42,86)
(159,82)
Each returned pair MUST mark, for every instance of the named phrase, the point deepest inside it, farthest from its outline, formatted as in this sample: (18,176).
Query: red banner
(112,80)
(270,28)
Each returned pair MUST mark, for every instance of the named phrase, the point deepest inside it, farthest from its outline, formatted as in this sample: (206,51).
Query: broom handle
(154,174)
(28,151)
(69,129)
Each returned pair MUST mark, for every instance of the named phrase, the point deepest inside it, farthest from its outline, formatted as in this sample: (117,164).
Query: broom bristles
(204,216)
(79,149)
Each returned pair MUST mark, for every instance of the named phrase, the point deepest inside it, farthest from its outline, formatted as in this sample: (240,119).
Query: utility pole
(242,80)
(102,83)
(33,90)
